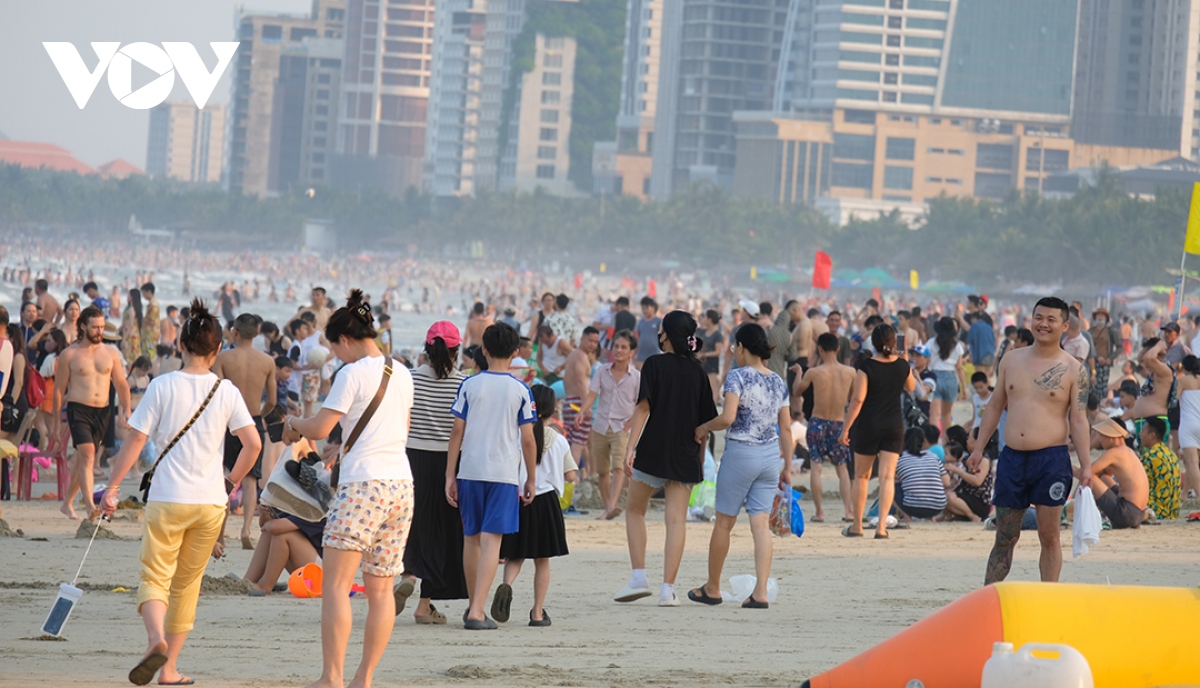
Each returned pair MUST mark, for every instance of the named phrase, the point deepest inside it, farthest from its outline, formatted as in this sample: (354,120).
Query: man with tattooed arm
(1045,391)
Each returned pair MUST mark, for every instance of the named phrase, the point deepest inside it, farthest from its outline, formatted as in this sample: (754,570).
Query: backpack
(35,386)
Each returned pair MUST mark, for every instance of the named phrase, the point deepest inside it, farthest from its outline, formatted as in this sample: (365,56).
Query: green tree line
(1101,236)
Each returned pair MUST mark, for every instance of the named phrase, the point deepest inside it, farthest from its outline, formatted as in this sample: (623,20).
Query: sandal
(145,670)
(752,603)
(433,618)
(846,533)
(882,536)
(699,595)
(402,592)
(539,623)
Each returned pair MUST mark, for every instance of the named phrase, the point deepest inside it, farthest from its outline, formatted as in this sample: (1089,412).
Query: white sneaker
(672,602)
(629,593)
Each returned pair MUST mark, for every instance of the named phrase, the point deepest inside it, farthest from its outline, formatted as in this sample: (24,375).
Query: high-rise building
(385,94)
(504,21)
(716,57)
(186,143)
(537,151)
(452,131)
(897,101)
(623,167)
(1136,76)
(252,105)
(305,114)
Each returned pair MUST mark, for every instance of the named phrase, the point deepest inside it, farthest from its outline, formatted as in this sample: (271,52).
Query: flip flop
(542,623)
(703,597)
(402,593)
(502,602)
(884,536)
(185,681)
(145,670)
(814,519)
(247,543)
(752,603)
(847,520)
(846,533)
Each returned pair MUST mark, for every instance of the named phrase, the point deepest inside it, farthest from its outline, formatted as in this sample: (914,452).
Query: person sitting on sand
(921,479)
(1120,488)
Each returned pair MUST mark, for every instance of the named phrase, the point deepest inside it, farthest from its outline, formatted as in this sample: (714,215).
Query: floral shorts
(310,385)
(372,517)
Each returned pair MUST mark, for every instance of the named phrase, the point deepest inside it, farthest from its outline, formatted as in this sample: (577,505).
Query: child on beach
(542,533)
(493,427)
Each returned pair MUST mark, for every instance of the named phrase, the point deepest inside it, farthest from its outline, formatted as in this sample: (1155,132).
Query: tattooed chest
(1052,378)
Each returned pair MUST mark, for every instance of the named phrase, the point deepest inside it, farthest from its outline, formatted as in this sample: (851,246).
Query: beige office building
(540,153)
(257,71)
(186,143)
(385,94)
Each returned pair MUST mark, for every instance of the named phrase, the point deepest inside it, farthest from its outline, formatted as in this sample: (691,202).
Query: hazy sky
(34,102)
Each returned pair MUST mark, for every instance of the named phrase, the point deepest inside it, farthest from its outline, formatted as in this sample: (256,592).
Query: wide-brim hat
(110,333)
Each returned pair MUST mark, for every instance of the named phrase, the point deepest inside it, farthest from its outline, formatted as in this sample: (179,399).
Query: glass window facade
(858,75)
(901,148)
(856,56)
(854,147)
(1016,55)
(857,94)
(899,178)
(853,175)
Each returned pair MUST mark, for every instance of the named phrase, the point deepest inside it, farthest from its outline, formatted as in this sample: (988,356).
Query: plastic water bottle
(1065,668)
(64,604)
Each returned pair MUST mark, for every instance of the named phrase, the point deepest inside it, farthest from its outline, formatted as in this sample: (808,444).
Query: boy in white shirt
(493,427)
(979,400)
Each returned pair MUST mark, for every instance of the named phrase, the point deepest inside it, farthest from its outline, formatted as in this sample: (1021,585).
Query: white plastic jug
(1065,669)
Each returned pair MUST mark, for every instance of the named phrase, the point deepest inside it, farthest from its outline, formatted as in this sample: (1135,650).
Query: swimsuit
(822,437)
(1039,476)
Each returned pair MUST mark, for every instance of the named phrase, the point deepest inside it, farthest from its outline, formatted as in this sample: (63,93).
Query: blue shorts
(651,480)
(489,507)
(749,475)
(947,386)
(1042,477)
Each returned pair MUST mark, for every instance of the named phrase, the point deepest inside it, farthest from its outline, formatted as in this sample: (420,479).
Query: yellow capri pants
(176,543)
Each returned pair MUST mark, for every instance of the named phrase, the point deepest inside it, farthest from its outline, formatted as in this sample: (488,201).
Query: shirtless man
(803,341)
(319,307)
(168,327)
(1120,486)
(1156,390)
(51,312)
(252,372)
(577,375)
(85,370)
(476,324)
(831,382)
(1045,391)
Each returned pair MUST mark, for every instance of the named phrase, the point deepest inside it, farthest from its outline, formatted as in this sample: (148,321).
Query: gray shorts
(749,474)
(1121,512)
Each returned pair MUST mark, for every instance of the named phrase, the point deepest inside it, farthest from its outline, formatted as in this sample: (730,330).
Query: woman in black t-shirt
(674,399)
(874,426)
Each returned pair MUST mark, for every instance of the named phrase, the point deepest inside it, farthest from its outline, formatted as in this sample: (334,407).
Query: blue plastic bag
(797,514)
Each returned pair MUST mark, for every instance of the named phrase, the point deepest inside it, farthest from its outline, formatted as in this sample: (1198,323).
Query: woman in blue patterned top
(759,438)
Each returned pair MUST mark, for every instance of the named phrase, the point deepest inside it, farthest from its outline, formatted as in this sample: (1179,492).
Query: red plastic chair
(56,451)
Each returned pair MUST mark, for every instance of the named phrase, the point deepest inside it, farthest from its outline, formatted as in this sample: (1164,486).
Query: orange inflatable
(1093,619)
(305,581)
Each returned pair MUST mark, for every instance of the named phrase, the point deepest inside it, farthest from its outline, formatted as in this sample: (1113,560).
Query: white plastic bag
(1087,523)
(742,585)
(284,493)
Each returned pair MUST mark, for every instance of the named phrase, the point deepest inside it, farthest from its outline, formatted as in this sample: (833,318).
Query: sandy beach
(836,597)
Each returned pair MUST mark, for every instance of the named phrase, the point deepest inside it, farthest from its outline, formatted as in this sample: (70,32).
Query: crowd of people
(434,469)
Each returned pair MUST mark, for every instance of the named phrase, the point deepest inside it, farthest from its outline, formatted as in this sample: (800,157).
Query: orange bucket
(305,582)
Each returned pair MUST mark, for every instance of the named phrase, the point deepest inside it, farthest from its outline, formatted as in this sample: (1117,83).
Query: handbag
(149,475)
(361,424)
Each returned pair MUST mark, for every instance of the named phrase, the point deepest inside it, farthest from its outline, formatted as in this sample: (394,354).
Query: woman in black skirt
(542,534)
(435,539)
(874,427)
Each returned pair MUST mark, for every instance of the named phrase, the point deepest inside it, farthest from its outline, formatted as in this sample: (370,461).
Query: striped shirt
(920,477)
(431,417)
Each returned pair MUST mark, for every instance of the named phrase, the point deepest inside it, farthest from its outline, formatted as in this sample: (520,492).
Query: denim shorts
(749,475)
(947,386)
(651,480)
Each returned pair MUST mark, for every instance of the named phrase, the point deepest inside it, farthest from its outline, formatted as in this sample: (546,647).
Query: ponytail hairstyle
(441,357)
(352,321)
(680,329)
(1191,364)
(544,401)
(914,441)
(135,302)
(883,338)
(946,337)
(200,334)
(753,339)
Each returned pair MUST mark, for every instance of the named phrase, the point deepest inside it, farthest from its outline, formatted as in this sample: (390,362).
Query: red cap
(446,331)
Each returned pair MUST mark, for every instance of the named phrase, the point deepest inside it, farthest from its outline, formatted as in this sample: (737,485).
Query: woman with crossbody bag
(187,413)
(368,521)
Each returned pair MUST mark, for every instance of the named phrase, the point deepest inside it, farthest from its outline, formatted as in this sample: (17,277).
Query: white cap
(750,307)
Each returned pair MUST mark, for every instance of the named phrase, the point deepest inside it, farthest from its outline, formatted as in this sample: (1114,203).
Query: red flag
(652,289)
(579,280)
(878,296)
(822,269)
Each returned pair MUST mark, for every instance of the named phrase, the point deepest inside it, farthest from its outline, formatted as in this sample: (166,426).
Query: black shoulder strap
(364,419)
(183,431)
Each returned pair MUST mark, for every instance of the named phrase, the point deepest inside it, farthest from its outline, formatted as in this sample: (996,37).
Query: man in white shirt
(617,385)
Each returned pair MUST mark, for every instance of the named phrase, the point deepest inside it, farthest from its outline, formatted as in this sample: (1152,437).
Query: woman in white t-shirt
(186,504)
(946,362)
(367,524)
